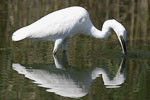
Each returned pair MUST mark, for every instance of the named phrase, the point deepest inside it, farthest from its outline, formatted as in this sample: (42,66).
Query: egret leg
(58,42)
(64,45)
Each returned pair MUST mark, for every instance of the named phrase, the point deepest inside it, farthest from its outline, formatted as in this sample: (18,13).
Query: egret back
(59,24)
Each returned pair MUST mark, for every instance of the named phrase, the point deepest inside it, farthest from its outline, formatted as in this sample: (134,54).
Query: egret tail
(20,34)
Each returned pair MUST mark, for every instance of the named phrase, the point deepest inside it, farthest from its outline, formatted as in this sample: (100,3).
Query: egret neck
(106,31)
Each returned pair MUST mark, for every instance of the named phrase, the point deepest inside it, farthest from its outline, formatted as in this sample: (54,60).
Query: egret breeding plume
(60,25)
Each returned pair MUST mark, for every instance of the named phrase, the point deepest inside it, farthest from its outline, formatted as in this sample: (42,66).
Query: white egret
(60,25)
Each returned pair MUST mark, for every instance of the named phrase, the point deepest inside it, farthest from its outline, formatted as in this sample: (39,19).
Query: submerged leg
(58,42)
(64,45)
(57,63)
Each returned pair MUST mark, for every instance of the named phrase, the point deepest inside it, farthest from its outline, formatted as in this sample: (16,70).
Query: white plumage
(60,25)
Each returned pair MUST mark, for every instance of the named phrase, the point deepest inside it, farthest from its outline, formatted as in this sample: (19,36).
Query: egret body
(60,25)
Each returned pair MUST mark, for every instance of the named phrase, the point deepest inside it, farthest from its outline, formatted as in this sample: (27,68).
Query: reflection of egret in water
(68,82)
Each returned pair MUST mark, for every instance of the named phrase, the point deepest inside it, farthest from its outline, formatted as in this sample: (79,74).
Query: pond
(91,69)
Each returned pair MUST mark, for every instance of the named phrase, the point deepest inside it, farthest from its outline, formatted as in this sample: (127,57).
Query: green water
(91,69)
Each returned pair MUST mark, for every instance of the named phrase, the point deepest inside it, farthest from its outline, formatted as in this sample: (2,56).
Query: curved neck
(98,33)
(107,26)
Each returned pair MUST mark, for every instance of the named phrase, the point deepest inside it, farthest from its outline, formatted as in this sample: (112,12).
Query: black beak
(123,45)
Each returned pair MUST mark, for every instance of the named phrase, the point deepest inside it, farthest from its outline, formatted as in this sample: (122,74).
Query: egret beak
(123,45)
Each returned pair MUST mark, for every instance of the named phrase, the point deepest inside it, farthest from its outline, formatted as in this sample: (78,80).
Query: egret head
(121,34)
(119,30)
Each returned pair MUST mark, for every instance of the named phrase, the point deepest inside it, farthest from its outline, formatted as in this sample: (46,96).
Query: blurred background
(83,51)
